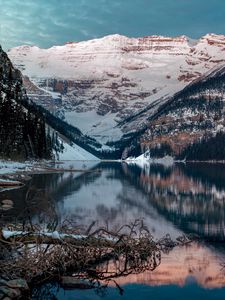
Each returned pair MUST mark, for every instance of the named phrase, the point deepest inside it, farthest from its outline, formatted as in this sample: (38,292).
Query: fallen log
(39,256)
(54,238)
(6,183)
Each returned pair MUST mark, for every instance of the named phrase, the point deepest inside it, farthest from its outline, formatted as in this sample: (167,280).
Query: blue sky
(54,22)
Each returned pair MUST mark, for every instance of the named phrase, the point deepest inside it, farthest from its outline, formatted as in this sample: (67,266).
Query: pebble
(18,284)
(11,293)
(12,289)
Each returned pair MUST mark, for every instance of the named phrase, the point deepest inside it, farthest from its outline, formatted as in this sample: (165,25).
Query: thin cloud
(45,23)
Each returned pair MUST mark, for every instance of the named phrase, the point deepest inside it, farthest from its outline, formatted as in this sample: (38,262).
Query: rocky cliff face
(108,87)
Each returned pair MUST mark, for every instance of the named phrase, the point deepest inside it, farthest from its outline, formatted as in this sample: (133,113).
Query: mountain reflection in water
(178,200)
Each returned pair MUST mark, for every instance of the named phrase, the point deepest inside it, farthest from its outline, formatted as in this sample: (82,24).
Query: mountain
(191,124)
(109,87)
(27,130)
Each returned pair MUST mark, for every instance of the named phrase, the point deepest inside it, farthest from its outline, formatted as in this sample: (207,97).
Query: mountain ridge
(192,41)
(116,83)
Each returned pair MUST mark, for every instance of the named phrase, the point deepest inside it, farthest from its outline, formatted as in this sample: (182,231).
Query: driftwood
(102,254)
(64,251)
(5,184)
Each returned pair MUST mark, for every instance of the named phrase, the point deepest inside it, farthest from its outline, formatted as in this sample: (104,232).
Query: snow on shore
(145,159)
(8,167)
(71,153)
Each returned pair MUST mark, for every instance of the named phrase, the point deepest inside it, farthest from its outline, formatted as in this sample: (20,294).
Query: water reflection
(191,197)
(189,264)
(178,199)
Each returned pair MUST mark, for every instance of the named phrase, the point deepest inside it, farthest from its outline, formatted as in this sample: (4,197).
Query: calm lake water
(175,200)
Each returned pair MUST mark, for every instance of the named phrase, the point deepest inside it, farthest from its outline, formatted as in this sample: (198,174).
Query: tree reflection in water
(178,199)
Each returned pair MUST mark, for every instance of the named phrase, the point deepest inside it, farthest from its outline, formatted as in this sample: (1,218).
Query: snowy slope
(77,153)
(96,84)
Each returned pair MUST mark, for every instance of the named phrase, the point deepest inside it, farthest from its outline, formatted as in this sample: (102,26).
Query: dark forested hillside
(206,149)
(22,133)
(191,125)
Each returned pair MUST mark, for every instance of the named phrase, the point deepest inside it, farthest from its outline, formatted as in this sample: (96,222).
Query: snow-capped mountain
(101,85)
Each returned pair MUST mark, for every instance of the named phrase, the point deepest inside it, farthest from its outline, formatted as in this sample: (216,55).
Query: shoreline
(21,172)
(14,174)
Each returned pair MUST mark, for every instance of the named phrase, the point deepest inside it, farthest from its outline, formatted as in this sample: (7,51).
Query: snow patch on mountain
(75,153)
(102,128)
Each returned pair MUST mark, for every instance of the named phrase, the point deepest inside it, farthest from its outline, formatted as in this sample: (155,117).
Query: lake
(178,200)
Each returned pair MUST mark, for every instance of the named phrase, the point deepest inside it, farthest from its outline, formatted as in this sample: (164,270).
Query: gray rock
(7,202)
(11,293)
(18,284)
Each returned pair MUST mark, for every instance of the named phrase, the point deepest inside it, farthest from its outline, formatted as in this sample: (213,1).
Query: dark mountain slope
(22,133)
(190,125)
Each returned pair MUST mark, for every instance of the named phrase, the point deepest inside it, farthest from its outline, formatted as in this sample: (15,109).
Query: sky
(54,22)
